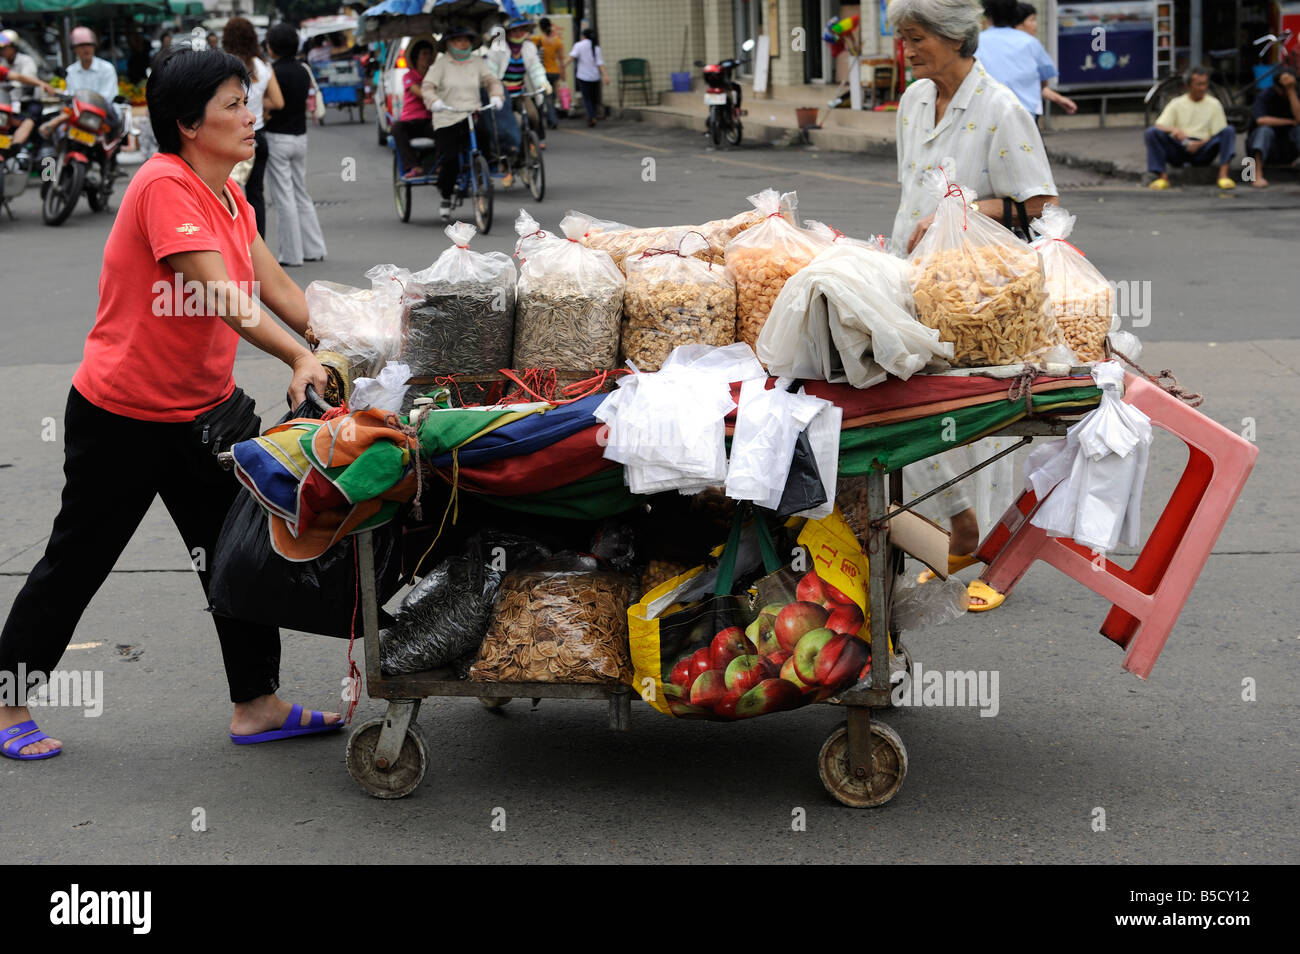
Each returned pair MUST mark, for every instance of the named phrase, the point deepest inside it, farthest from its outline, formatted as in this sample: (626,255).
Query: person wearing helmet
(519,67)
(92,73)
(451,92)
(21,94)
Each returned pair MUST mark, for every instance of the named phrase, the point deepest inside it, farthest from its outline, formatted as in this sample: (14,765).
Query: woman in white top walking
(240,39)
(589,74)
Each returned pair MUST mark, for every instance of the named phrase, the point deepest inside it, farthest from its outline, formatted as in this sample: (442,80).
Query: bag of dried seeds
(763,257)
(460,314)
(1081,296)
(673,298)
(564,620)
(570,300)
(364,325)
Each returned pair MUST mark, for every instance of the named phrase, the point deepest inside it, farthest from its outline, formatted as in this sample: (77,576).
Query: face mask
(459,54)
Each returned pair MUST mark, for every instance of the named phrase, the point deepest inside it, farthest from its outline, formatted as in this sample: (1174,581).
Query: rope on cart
(413,437)
(1022,386)
(1190,398)
(452,502)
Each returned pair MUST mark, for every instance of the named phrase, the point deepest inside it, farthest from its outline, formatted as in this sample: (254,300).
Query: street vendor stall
(562,519)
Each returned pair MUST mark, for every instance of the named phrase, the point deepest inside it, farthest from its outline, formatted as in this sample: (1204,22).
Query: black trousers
(404,132)
(113,468)
(450,141)
(253,190)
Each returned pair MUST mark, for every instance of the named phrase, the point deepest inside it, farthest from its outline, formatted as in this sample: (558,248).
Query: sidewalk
(1115,150)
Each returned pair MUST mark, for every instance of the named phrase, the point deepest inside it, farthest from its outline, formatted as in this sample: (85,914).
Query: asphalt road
(1184,768)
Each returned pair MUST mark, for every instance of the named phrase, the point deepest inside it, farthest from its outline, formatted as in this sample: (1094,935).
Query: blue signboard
(1105,43)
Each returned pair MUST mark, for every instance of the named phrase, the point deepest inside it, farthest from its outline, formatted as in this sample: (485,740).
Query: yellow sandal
(978,589)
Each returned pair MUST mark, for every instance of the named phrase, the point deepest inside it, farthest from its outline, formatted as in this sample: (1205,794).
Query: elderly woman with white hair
(956,111)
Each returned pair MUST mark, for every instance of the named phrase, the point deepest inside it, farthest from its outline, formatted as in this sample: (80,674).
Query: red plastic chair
(1148,597)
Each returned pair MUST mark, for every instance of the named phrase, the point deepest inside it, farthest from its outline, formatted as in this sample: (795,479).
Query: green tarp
(59,6)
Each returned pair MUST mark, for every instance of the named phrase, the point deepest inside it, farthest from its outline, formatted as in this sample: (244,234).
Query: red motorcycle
(86,136)
(722,96)
(14,165)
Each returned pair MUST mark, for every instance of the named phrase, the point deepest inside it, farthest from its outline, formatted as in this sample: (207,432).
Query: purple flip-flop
(18,737)
(292,727)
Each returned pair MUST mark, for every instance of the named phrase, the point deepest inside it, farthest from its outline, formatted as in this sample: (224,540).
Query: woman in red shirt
(416,120)
(155,391)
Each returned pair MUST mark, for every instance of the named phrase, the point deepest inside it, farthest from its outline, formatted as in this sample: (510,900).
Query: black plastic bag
(803,487)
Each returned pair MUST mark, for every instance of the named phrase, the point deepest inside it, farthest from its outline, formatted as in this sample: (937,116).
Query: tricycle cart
(862,763)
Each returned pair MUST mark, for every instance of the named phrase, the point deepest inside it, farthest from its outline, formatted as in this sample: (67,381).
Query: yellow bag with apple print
(700,651)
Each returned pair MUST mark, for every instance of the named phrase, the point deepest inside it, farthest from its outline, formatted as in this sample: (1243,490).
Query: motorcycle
(15,165)
(86,144)
(722,96)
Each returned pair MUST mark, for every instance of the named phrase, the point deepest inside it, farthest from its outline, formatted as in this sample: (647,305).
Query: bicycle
(527,158)
(1237,103)
(473,179)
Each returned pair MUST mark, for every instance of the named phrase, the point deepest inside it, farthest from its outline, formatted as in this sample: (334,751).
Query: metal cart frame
(862,763)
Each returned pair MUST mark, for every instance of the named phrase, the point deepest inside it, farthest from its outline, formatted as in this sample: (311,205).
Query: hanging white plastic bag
(768,422)
(364,325)
(1098,503)
(386,392)
(847,316)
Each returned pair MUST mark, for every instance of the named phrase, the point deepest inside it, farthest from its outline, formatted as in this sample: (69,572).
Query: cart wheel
(398,781)
(401,192)
(494,703)
(888,764)
(481,193)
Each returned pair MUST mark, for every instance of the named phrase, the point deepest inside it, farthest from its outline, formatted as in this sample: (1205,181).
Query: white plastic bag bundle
(362,324)
(847,316)
(667,428)
(1095,475)
(386,392)
(768,423)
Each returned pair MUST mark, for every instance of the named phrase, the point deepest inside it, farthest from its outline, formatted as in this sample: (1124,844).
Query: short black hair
(1024,11)
(545,24)
(1197,71)
(282,40)
(181,83)
(413,54)
(590,34)
(1001,13)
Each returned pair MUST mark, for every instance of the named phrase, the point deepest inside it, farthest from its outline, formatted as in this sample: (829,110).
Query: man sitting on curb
(1191,129)
(1275,136)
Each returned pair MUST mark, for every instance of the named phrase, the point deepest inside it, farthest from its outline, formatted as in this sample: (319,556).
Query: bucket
(681,82)
(806,116)
(1263,75)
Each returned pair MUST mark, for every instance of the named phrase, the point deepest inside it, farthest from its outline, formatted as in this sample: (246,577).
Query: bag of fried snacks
(833,236)
(623,243)
(673,298)
(569,301)
(1081,297)
(763,257)
(978,285)
(564,620)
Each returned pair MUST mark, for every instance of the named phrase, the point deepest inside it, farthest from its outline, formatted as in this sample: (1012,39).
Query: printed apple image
(701,662)
(681,673)
(672,692)
(770,695)
(866,670)
(727,645)
(726,707)
(835,597)
(778,658)
(745,672)
(795,620)
(839,660)
(846,620)
(762,633)
(684,710)
(805,653)
(809,589)
(708,689)
(789,674)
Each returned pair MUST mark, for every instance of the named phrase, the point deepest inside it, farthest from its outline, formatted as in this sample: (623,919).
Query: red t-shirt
(154,353)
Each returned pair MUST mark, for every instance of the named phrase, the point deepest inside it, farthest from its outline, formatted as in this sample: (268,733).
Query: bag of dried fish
(673,298)
(460,313)
(564,620)
(570,301)
(979,286)
(764,257)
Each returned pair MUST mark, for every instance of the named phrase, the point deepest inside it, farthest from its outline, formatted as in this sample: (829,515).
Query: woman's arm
(277,289)
(1064,102)
(233,305)
(273,96)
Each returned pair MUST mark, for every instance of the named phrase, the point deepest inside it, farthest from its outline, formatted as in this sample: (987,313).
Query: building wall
(653,31)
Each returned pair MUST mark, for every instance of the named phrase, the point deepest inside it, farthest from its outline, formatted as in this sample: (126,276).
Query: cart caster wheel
(493,703)
(888,762)
(399,780)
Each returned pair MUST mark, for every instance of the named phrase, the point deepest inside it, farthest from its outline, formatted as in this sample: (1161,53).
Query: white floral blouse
(986,130)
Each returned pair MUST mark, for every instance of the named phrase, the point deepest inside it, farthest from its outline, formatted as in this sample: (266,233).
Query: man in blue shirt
(90,72)
(1017,60)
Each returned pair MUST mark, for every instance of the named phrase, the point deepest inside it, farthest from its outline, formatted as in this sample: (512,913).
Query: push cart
(862,763)
(342,86)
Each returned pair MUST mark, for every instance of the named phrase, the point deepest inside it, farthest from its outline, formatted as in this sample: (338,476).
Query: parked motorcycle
(722,96)
(86,144)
